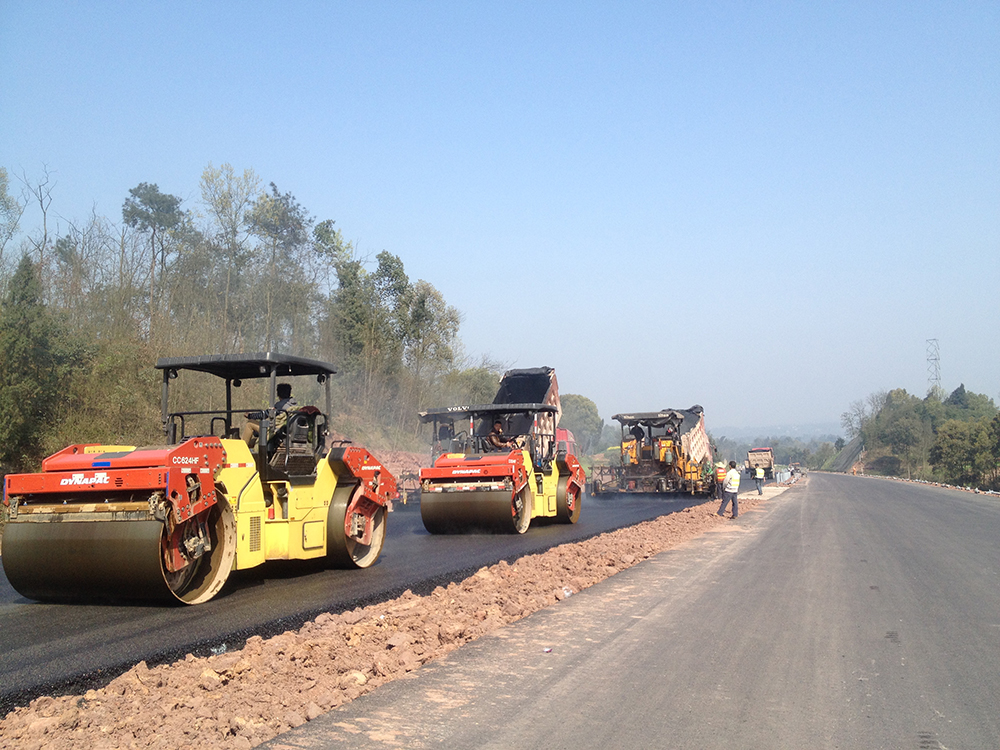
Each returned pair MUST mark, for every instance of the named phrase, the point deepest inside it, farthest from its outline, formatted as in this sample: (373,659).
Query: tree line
(953,439)
(87,307)
(815,453)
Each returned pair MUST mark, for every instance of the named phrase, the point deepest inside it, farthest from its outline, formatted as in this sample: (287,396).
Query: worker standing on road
(730,488)
(720,478)
(758,479)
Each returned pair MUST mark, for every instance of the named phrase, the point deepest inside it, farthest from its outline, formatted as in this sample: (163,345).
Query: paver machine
(667,451)
(474,485)
(169,522)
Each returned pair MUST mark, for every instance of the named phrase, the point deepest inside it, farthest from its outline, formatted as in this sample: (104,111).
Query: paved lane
(853,613)
(44,646)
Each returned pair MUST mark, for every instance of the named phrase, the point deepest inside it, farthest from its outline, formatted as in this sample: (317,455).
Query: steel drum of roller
(497,511)
(113,560)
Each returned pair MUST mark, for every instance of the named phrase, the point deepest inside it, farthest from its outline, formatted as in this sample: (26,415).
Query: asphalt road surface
(46,648)
(850,613)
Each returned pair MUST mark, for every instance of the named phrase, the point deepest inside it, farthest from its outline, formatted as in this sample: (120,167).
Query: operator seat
(294,451)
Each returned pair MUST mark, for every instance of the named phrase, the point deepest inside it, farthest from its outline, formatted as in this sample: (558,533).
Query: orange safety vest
(720,474)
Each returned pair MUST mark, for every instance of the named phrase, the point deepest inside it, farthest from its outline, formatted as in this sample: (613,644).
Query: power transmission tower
(933,367)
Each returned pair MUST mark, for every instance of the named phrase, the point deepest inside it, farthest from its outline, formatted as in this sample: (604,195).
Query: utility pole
(933,367)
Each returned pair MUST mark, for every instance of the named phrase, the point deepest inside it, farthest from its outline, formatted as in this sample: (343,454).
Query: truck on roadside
(762,457)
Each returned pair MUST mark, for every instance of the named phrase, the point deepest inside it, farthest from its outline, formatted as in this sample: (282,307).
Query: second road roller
(497,466)
(170,522)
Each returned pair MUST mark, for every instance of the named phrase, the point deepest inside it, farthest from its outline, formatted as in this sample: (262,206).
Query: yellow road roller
(169,522)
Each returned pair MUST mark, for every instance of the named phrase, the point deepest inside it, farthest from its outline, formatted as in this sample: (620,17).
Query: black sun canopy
(248,366)
(684,418)
(450,413)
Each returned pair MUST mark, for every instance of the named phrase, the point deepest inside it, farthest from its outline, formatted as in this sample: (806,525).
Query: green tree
(472,385)
(964,404)
(283,227)
(37,359)
(580,416)
(821,456)
(962,452)
(150,211)
(903,437)
(430,333)
(958,398)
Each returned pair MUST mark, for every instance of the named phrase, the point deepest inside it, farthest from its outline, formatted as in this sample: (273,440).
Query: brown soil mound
(243,698)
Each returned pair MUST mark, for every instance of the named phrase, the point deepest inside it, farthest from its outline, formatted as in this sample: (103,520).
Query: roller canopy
(248,366)
(483,410)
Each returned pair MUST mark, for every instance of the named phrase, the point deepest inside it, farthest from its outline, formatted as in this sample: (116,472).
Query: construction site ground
(843,613)
(293,688)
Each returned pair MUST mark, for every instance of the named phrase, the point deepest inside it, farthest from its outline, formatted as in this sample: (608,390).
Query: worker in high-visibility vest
(720,478)
(758,479)
(729,490)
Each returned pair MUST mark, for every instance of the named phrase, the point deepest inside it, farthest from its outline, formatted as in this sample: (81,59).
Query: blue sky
(764,208)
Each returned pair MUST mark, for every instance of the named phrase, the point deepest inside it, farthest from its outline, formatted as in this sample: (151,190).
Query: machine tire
(522,518)
(563,511)
(343,551)
(211,571)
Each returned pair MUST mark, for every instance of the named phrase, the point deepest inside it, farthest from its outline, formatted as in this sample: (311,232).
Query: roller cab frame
(663,452)
(474,487)
(170,522)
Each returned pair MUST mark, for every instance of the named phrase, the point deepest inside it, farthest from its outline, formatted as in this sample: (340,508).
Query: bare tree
(855,418)
(41,193)
(229,199)
(11,210)
(876,401)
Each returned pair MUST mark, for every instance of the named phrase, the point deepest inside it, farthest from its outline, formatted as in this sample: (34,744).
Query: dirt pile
(242,698)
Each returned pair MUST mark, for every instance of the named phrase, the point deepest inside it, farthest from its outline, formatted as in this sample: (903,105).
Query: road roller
(168,523)
(495,468)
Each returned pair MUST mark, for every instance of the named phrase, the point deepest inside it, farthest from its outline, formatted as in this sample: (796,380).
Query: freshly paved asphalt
(849,613)
(46,648)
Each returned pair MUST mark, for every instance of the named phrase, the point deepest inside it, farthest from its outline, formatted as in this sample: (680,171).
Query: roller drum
(459,512)
(85,561)
(121,561)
